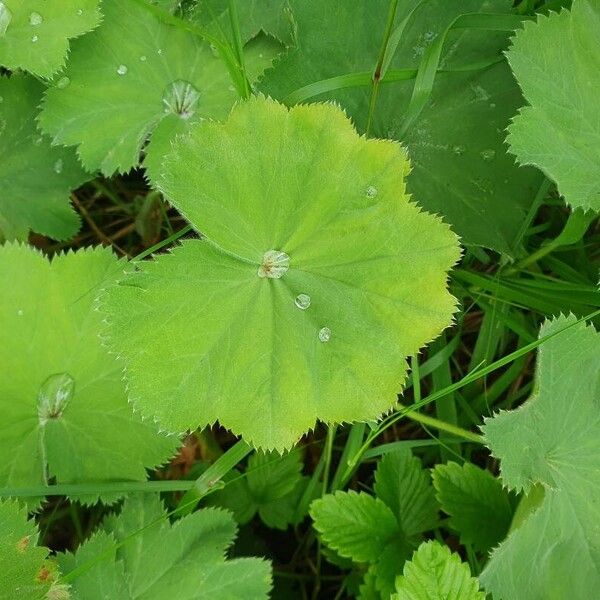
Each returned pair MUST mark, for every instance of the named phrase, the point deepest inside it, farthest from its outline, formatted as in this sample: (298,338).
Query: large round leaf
(317,278)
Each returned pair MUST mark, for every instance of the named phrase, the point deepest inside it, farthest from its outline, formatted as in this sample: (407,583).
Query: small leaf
(480,509)
(317,262)
(559,130)
(435,572)
(36,176)
(356,526)
(64,409)
(34,34)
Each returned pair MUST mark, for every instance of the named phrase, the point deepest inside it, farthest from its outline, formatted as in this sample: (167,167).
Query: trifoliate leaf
(356,526)
(35,34)
(36,177)
(553,441)
(479,508)
(315,262)
(402,483)
(558,132)
(64,409)
(435,573)
(156,560)
(460,165)
(133,78)
(25,571)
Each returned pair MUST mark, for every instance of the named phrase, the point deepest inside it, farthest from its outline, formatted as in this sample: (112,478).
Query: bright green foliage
(64,409)
(460,165)
(234,338)
(36,178)
(136,77)
(380,530)
(553,440)
(271,486)
(479,507)
(559,131)
(34,34)
(158,560)
(435,573)
(25,572)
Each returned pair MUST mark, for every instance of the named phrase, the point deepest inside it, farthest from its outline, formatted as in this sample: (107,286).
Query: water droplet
(181,98)
(5,18)
(302,301)
(20,312)
(159,51)
(428,36)
(54,396)
(122,70)
(458,149)
(488,154)
(35,19)
(58,166)
(79,12)
(274,264)
(143,58)
(231,88)
(371,192)
(62,83)
(324,334)
(492,105)
(35,38)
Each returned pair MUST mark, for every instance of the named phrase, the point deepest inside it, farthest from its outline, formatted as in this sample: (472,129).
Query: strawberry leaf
(315,262)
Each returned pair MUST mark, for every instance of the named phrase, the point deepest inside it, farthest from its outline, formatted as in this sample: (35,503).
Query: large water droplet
(5,18)
(54,396)
(324,334)
(274,264)
(302,301)
(79,12)
(58,166)
(371,192)
(488,154)
(35,19)
(122,70)
(62,83)
(181,98)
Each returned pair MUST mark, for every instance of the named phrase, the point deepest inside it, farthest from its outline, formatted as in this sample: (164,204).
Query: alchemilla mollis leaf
(36,177)
(316,279)
(552,444)
(559,130)
(63,403)
(35,34)
(155,560)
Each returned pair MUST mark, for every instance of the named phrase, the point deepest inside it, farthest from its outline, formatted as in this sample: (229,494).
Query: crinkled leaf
(64,408)
(435,573)
(157,560)
(559,130)
(36,177)
(25,571)
(232,345)
(460,165)
(479,507)
(403,484)
(35,34)
(356,526)
(553,441)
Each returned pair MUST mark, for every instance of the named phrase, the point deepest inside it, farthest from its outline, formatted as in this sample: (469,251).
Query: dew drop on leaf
(54,396)
(35,19)
(459,150)
(324,334)
(62,83)
(143,58)
(371,192)
(274,264)
(20,313)
(5,18)
(79,12)
(181,98)
(58,166)
(302,301)
(488,154)
(34,38)
(122,70)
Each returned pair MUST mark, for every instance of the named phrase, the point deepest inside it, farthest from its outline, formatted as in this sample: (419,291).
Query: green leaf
(462,172)
(268,355)
(157,560)
(403,484)
(35,34)
(356,526)
(36,176)
(479,508)
(64,410)
(435,573)
(25,571)
(553,442)
(558,132)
